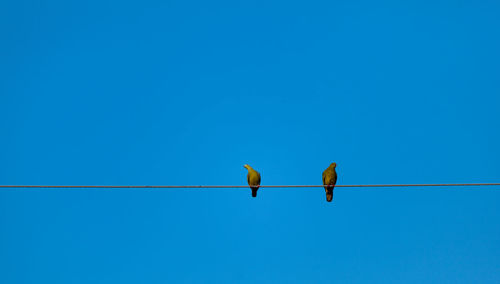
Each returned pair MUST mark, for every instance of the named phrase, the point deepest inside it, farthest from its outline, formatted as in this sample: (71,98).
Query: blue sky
(187,92)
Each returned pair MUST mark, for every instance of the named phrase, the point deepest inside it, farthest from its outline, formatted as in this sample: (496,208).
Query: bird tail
(329,193)
(254,191)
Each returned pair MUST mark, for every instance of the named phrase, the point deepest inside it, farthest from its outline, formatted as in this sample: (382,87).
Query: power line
(246,186)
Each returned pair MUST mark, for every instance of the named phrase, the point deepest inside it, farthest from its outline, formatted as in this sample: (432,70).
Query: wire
(246,186)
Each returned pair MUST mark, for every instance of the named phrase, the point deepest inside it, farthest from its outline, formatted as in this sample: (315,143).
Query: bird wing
(253,178)
(329,177)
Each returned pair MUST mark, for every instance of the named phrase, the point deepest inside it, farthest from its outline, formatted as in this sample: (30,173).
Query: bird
(329,180)
(253,179)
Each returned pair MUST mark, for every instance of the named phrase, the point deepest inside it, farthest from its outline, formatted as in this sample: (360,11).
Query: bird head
(333,165)
(247,167)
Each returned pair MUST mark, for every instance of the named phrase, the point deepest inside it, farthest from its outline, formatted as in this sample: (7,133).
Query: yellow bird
(253,179)
(329,180)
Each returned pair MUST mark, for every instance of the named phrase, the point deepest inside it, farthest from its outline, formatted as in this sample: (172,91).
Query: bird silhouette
(253,179)
(329,180)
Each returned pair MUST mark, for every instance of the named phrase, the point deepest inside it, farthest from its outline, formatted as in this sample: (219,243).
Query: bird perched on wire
(253,179)
(329,180)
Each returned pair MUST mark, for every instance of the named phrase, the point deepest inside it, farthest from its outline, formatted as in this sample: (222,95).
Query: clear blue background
(186,92)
